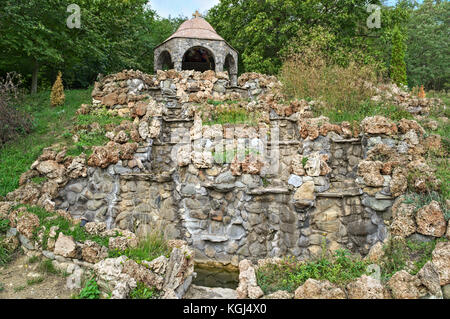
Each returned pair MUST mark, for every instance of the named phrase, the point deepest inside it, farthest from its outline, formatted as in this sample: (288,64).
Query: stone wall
(290,185)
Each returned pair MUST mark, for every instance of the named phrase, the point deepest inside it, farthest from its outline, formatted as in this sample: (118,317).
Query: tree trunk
(34,80)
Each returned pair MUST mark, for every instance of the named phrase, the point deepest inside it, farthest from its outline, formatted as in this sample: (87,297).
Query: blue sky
(181,7)
(187,7)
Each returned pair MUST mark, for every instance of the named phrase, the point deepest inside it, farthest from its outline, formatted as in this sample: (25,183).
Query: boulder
(404,286)
(403,223)
(430,220)
(371,173)
(93,252)
(429,277)
(366,287)
(26,224)
(248,286)
(280,294)
(441,262)
(319,289)
(65,246)
(378,125)
(305,192)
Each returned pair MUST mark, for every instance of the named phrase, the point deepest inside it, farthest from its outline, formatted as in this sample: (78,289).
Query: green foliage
(400,254)
(427,55)
(142,291)
(398,65)
(90,290)
(33,259)
(148,249)
(17,156)
(39,179)
(114,35)
(4,225)
(2,287)
(48,220)
(5,254)
(290,274)
(259,30)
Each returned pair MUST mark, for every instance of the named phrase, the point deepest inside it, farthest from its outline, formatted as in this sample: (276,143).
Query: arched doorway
(164,61)
(198,59)
(230,65)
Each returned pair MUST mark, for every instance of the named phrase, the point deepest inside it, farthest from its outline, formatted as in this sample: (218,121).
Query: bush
(13,121)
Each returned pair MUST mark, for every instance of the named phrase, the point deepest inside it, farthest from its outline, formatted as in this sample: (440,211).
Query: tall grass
(49,126)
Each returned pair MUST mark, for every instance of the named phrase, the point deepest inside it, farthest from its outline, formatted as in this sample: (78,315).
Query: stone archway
(198,59)
(164,61)
(230,66)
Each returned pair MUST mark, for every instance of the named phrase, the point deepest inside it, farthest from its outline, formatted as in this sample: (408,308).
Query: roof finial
(197,14)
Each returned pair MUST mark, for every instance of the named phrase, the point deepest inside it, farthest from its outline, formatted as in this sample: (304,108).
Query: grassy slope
(50,124)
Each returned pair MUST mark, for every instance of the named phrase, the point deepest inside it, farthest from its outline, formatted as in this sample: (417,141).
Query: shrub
(57,96)
(13,120)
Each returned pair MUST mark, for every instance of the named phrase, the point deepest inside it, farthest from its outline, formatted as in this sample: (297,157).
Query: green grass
(366,109)
(46,266)
(421,200)
(398,252)
(33,259)
(148,249)
(66,227)
(142,291)
(49,125)
(19,288)
(2,287)
(4,225)
(35,281)
(229,113)
(290,274)
(5,254)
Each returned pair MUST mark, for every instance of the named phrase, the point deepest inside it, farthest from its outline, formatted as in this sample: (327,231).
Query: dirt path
(16,277)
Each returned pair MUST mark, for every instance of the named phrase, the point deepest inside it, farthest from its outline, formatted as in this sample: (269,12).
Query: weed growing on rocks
(91,290)
(290,274)
(142,291)
(148,249)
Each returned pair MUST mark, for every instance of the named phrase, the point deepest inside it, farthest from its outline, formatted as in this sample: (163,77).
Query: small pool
(210,276)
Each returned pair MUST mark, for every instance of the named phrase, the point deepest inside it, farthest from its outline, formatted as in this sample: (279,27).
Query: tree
(398,65)
(428,50)
(261,29)
(57,97)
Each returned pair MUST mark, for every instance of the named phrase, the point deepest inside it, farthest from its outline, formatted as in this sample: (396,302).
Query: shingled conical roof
(196,28)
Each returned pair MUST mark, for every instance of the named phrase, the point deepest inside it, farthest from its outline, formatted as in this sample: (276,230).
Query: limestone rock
(429,277)
(306,191)
(376,253)
(366,287)
(198,292)
(26,224)
(120,243)
(399,181)
(77,167)
(404,286)
(378,125)
(93,228)
(65,246)
(371,173)
(403,223)
(141,274)
(103,156)
(248,286)
(179,272)
(280,294)
(319,289)
(430,220)
(93,252)
(441,262)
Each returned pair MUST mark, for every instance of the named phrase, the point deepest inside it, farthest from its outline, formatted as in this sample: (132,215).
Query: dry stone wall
(289,185)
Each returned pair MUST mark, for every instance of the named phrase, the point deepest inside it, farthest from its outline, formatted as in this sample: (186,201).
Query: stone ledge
(160,178)
(350,140)
(271,190)
(342,194)
(214,238)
